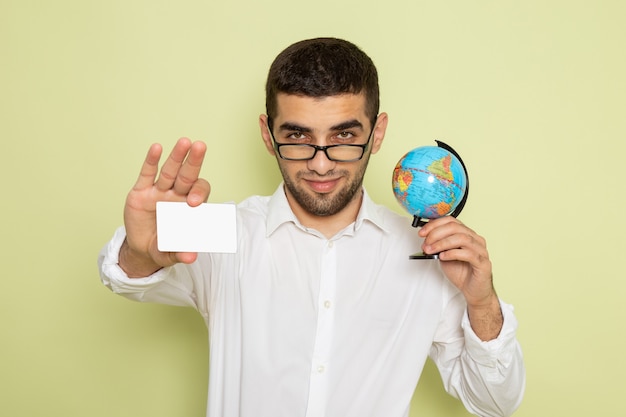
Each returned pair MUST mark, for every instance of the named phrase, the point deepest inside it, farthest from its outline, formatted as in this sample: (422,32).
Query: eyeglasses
(305,151)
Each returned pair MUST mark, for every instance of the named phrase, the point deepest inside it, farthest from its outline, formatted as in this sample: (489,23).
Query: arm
(185,285)
(465,261)
(480,361)
(488,377)
(177,181)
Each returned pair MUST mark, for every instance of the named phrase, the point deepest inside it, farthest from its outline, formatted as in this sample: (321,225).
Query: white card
(208,227)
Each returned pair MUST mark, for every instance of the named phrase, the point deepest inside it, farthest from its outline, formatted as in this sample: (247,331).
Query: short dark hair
(323,67)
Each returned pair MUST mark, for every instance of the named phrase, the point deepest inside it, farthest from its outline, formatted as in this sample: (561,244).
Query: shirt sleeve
(488,377)
(178,285)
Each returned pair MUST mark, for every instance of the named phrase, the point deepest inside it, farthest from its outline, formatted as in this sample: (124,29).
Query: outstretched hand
(177,181)
(465,261)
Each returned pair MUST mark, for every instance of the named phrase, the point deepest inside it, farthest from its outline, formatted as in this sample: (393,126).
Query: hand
(465,261)
(177,181)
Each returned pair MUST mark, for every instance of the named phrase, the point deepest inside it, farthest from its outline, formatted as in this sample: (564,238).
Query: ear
(265,134)
(379,132)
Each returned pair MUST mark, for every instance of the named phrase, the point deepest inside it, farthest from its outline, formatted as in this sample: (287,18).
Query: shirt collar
(279,212)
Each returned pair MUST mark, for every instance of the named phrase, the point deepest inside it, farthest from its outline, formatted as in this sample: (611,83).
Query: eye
(296,136)
(344,136)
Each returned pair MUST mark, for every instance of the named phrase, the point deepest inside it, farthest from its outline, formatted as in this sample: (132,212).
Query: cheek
(285,169)
(360,171)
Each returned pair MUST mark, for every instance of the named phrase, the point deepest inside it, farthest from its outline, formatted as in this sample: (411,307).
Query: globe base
(421,255)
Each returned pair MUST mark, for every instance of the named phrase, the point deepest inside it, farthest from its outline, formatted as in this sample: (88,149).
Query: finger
(150,167)
(469,248)
(462,239)
(172,258)
(435,223)
(185,257)
(448,235)
(199,192)
(478,259)
(172,165)
(437,229)
(189,172)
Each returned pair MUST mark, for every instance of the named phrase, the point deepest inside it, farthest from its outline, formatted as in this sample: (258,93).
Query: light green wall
(531,93)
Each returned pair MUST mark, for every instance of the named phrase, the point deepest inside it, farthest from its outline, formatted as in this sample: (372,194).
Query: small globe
(430,182)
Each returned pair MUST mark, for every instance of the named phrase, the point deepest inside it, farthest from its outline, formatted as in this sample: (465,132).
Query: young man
(320,312)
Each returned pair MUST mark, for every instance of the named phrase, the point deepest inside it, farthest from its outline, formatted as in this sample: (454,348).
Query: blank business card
(208,227)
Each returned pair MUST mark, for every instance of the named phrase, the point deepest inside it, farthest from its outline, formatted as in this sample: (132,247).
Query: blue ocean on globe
(429,182)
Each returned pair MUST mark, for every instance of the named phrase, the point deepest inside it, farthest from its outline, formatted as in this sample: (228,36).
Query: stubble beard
(322,204)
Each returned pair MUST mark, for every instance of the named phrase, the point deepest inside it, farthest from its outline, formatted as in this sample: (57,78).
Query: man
(320,312)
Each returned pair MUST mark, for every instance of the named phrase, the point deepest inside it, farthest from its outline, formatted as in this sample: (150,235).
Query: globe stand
(419,222)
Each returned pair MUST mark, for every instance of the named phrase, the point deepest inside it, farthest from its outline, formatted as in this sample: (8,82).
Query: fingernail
(194,200)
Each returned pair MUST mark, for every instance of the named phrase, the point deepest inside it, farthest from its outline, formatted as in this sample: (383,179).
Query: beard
(322,204)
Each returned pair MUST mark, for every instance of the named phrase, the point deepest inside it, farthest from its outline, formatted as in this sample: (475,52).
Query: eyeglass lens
(336,153)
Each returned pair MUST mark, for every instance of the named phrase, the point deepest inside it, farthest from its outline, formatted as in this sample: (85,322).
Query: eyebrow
(293,126)
(349,124)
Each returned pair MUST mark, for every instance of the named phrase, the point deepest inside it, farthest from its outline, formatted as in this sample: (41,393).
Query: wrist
(488,303)
(486,318)
(135,264)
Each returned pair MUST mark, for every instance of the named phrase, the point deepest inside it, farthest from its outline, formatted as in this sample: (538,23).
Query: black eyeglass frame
(317,148)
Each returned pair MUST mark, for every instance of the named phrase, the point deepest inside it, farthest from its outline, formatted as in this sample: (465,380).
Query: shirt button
(331,244)
(321,369)
(327,304)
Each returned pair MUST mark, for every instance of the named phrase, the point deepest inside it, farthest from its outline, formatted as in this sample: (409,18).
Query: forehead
(320,112)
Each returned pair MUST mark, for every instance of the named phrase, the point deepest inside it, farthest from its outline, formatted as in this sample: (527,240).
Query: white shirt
(301,325)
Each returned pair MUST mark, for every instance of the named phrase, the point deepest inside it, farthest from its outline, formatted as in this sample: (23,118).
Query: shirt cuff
(114,277)
(498,352)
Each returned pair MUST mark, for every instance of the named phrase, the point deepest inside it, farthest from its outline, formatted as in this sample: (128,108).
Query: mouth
(322,186)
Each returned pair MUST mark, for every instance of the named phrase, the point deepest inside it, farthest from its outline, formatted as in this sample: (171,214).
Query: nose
(320,163)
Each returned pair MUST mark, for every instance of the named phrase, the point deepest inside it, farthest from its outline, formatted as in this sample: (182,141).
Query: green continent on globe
(441,168)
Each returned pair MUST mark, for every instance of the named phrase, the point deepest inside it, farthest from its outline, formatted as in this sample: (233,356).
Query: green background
(531,94)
